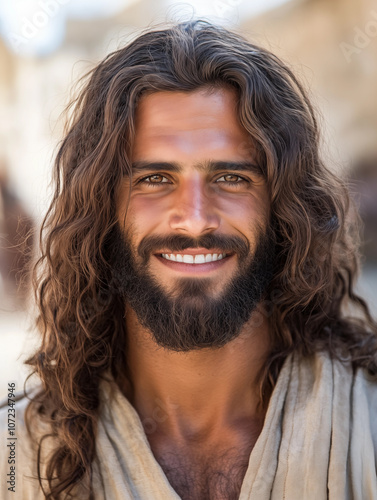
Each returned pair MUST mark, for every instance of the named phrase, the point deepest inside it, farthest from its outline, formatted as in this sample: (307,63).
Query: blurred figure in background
(16,246)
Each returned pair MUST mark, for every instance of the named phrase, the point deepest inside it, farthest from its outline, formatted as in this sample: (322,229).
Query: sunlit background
(45,45)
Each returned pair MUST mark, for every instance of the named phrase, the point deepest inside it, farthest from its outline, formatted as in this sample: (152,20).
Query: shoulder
(368,383)
(354,397)
(343,383)
(366,395)
(18,457)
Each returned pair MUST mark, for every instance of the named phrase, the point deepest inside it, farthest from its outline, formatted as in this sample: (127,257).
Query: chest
(216,474)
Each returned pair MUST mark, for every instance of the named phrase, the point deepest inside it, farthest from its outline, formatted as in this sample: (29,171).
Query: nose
(193,210)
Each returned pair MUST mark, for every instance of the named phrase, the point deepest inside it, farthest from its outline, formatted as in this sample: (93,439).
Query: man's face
(195,250)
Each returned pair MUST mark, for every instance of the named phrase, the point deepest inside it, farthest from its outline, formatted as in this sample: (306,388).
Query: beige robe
(319,441)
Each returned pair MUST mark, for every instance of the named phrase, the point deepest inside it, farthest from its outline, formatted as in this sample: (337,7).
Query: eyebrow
(209,166)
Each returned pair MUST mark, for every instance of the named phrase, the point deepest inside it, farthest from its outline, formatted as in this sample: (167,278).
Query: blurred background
(45,45)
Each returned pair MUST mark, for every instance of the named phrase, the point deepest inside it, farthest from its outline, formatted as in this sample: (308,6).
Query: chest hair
(217,476)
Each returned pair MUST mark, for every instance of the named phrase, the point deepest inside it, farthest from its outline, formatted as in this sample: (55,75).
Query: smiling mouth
(193,259)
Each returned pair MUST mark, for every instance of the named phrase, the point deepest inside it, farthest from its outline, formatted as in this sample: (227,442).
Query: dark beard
(188,318)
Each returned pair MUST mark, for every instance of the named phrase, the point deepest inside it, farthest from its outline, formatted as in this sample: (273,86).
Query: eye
(231,179)
(154,179)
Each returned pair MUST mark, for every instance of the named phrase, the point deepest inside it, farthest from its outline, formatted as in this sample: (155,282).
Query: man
(196,268)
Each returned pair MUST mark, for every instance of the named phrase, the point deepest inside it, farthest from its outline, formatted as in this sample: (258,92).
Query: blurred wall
(333,45)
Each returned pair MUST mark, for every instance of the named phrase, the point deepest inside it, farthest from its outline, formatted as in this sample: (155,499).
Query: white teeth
(193,259)
(199,259)
(189,259)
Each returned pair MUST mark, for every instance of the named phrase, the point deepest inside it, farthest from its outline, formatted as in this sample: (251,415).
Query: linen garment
(319,441)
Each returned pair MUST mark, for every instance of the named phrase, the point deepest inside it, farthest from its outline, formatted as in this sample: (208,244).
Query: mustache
(177,243)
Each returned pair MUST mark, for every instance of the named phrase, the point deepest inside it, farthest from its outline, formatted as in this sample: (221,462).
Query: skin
(207,397)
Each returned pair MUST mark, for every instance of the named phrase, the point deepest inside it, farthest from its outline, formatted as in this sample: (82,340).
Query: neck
(199,393)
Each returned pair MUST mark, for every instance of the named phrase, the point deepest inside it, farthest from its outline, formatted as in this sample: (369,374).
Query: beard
(189,317)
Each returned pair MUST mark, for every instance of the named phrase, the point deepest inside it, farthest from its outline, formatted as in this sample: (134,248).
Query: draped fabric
(319,441)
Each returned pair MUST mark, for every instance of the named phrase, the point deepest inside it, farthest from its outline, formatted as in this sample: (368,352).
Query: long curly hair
(311,303)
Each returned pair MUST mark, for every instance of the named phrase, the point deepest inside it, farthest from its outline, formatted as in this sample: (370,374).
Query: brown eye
(154,179)
(157,179)
(231,179)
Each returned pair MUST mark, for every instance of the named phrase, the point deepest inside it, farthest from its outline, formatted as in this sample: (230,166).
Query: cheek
(245,212)
(145,214)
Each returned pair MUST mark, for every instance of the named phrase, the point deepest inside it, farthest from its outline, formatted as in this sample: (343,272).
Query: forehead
(197,122)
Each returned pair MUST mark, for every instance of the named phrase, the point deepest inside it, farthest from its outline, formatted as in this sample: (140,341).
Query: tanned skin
(208,398)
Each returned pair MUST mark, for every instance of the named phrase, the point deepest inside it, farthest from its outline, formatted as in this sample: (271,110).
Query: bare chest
(215,475)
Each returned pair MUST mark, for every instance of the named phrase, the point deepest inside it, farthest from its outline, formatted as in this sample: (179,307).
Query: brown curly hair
(81,317)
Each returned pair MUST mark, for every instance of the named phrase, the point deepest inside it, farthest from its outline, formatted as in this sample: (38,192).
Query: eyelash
(155,184)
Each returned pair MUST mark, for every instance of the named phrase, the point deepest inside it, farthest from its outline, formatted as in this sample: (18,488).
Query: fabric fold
(316,442)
